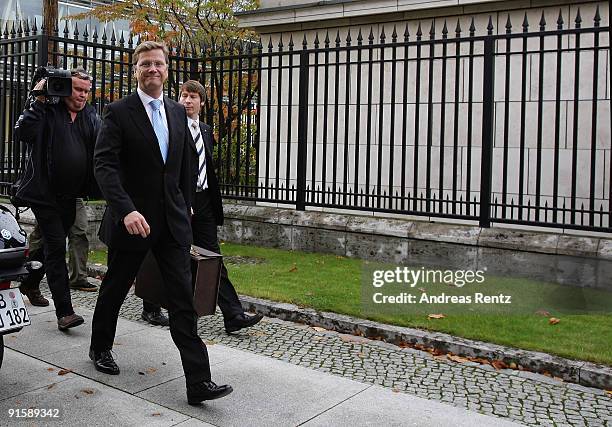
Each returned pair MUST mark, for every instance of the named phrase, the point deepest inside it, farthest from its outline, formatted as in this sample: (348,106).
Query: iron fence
(470,123)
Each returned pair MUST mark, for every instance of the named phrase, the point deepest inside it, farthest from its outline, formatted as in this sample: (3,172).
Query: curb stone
(573,371)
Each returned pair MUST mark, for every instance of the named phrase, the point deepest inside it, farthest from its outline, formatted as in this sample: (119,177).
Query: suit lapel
(206,139)
(142,122)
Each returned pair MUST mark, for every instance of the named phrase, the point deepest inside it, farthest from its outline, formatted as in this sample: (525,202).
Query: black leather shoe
(155,318)
(241,321)
(104,362)
(206,390)
(84,286)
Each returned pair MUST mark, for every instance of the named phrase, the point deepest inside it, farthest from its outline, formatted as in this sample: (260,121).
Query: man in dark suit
(142,164)
(207,205)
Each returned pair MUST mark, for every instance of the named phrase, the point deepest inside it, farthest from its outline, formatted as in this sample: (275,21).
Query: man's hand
(136,224)
(40,86)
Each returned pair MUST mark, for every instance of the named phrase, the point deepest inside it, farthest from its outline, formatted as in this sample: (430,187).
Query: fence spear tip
(542,22)
(525,23)
(578,18)
(560,20)
(597,18)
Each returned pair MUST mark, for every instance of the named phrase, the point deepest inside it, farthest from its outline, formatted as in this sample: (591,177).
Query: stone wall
(560,258)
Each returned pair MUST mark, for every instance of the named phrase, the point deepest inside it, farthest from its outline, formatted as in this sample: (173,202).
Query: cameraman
(60,139)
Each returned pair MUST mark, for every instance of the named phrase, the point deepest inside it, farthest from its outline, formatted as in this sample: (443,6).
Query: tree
(192,23)
(207,33)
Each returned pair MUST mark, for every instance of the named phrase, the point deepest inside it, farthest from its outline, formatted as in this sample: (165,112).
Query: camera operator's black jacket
(35,128)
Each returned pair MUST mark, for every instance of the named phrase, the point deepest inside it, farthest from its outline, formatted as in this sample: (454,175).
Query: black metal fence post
(488,116)
(300,201)
(42,42)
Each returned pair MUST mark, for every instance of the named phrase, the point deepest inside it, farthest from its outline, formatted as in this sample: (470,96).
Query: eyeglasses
(147,64)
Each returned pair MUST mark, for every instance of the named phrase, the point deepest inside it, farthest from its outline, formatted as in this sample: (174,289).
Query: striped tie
(202,181)
(160,130)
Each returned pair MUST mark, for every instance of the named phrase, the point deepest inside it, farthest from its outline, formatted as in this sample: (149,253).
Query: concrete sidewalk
(151,388)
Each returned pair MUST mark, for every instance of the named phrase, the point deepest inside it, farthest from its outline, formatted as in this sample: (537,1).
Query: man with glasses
(60,141)
(142,164)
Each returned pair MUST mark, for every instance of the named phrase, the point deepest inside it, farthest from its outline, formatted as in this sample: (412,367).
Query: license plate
(13,313)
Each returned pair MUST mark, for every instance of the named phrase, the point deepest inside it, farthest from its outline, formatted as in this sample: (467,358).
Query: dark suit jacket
(133,177)
(213,184)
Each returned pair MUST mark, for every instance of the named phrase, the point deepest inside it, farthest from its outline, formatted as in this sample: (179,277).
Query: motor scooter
(14,268)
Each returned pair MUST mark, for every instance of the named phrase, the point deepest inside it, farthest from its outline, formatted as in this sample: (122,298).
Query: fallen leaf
(553,321)
(64,372)
(50,386)
(499,364)
(609,392)
(151,370)
(422,289)
(360,355)
(436,316)
(156,414)
(87,391)
(319,329)
(352,338)
(512,365)
(456,358)
(543,313)
(50,369)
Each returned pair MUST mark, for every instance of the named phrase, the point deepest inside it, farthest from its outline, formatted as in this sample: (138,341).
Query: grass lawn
(333,283)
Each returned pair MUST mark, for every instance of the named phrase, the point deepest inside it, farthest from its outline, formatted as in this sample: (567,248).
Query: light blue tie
(158,126)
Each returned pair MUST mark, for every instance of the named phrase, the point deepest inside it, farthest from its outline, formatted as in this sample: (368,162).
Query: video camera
(58,84)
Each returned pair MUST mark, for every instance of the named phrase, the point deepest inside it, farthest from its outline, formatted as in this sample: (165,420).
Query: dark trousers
(54,224)
(174,263)
(205,236)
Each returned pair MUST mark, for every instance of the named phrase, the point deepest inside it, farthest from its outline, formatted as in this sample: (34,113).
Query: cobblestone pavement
(524,397)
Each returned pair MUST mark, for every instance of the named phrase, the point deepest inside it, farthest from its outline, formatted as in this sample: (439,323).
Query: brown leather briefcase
(205,272)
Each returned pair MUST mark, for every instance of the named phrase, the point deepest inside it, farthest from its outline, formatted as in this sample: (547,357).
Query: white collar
(146,99)
(190,121)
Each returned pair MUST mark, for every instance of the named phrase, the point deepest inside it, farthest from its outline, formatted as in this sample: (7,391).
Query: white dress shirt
(146,99)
